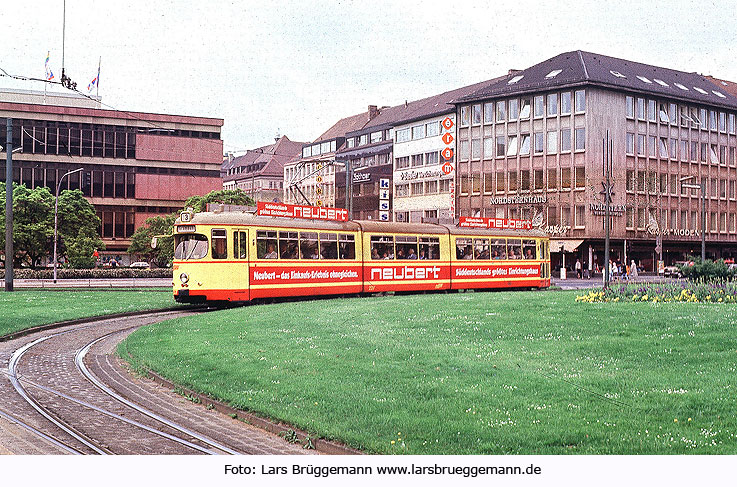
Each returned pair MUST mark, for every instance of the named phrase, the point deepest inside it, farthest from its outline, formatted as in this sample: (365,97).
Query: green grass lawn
(25,309)
(471,373)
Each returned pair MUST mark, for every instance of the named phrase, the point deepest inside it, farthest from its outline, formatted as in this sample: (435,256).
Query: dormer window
(720,95)
(679,85)
(703,92)
(661,82)
(515,79)
(618,74)
(553,73)
(644,79)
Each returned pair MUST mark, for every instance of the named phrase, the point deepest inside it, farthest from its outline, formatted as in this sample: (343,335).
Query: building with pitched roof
(532,144)
(260,172)
(310,177)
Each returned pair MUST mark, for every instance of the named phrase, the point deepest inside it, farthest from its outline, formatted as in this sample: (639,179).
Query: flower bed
(120,273)
(717,291)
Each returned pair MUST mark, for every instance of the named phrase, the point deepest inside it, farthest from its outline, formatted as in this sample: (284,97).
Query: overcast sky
(295,67)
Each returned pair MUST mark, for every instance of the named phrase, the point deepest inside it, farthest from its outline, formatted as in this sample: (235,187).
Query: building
(532,145)
(141,164)
(260,172)
(310,177)
(422,190)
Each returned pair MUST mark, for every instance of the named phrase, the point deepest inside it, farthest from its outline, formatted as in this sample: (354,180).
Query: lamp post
(684,184)
(56,213)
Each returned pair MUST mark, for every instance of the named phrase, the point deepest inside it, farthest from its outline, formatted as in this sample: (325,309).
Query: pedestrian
(633,270)
(578,269)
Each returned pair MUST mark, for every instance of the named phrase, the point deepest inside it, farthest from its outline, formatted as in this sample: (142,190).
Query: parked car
(140,265)
(675,269)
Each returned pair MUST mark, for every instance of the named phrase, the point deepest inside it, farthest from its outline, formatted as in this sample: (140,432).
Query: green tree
(224,196)
(163,254)
(78,230)
(33,224)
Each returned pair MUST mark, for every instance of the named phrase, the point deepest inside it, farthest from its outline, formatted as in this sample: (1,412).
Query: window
(489,113)
(401,190)
(432,129)
(513,109)
(465,116)
(347,246)
(565,140)
(417,160)
(308,245)
(288,243)
(565,216)
(382,247)
(629,103)
(488,183)
(524,148)
(581,139)
(402,162)
(651,110)
(673,184)
(731,125)
(539,106)
(663,148)
(552,178)
(663,113)
(640,109)
(651,146)
(219,244)
(565,103)
(445,185)
(723,189)
(722,122)
(463,149)
(580,221)
(513,180)
(432,158)
(663,183)
(580,176)
(641,181)
(363,140)
(694,151)
(552,142)
(712,120)
(552,104)
(539,142)
(713,154)
(187,247)
(673,113)
(580,101)
(417,188)
(538,179)
(501,146)
(524,113)
(565,178)
(630,181)
(673,148)
(431,187)
(731,189)
(418,132)
(240,243)
(525,180)
(501,111)
(476,114)
(500,182)
(512,146)
(722,155)
(488,148)
(630,143)
(629,212)
(475,148)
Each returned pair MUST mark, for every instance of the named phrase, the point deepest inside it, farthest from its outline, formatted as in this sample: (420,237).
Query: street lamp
(684,184)
(56,213)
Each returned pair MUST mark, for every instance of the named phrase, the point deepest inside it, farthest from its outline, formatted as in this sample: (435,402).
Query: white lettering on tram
(403,273)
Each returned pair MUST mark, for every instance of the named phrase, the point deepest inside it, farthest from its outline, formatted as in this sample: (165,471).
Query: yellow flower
(675,420)
(393,442)
(689,419)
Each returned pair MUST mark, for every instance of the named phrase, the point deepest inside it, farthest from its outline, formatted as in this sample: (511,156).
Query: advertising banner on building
(264,208)
(500,223)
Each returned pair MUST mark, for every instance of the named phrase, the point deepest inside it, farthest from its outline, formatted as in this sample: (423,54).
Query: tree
(33,223)
(78,230)
(163,254)
(224,196)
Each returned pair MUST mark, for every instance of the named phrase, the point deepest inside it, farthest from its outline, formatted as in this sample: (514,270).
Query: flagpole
(99,61)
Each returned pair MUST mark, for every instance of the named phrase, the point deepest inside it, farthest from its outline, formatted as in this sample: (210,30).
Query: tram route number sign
(264,208)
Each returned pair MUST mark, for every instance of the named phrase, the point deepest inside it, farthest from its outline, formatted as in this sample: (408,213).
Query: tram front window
(190,247)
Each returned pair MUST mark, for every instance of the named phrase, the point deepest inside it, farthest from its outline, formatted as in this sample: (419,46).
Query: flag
(95,81)
(49,74)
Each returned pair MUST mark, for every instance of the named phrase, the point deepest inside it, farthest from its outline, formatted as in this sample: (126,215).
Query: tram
(236,256)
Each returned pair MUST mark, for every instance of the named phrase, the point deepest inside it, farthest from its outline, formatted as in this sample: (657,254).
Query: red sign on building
(499,223)
(264,208)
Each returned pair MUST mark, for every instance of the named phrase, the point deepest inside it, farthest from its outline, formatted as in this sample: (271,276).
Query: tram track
(60,401)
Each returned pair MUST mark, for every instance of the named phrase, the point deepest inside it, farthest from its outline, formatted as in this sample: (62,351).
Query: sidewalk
(133,282)
(597,281)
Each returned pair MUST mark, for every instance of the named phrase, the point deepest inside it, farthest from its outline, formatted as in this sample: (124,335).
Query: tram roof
(373,226)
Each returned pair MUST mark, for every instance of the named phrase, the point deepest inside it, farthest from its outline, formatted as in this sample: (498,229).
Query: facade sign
(361,177)
(517,199)
(600,209)
(675,232)
(383,194)
(500,223)
(384,216)
(300,211)
(413,174)
(384,185)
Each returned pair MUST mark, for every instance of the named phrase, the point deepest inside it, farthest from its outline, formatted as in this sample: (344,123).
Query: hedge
(61,273)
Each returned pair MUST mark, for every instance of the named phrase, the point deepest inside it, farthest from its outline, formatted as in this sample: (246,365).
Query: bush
(63,273)
(707,270)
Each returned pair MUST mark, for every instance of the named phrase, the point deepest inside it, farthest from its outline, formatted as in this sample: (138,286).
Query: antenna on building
(277,136)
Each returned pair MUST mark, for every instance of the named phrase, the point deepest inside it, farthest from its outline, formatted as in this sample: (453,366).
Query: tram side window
(464,250)
(406,247)
(429,248)
(266,244)
(308,245)
(190,247)
(498,249)
(514,248)
(219,244)
(382,247)
(288,245)
(528,249)
(240,242)
(329,246)
(347,245)
(481,249)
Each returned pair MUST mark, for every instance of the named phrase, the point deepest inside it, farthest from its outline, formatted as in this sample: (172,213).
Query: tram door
(241,262)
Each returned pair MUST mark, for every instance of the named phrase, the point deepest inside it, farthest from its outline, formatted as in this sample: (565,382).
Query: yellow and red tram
(240,257)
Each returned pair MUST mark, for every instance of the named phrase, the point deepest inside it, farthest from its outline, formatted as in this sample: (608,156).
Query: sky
(295,68)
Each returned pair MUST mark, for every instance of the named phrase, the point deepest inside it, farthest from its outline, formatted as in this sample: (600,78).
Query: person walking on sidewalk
(578,268)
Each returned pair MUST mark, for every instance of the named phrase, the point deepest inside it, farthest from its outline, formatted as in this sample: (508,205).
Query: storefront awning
(568,245)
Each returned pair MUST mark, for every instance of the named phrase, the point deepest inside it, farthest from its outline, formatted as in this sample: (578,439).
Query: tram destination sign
(499,223)
(264,208)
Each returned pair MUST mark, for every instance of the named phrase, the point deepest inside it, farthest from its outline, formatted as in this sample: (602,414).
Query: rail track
(64,393)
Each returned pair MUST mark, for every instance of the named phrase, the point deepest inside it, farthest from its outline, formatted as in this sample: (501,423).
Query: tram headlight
(184,278)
